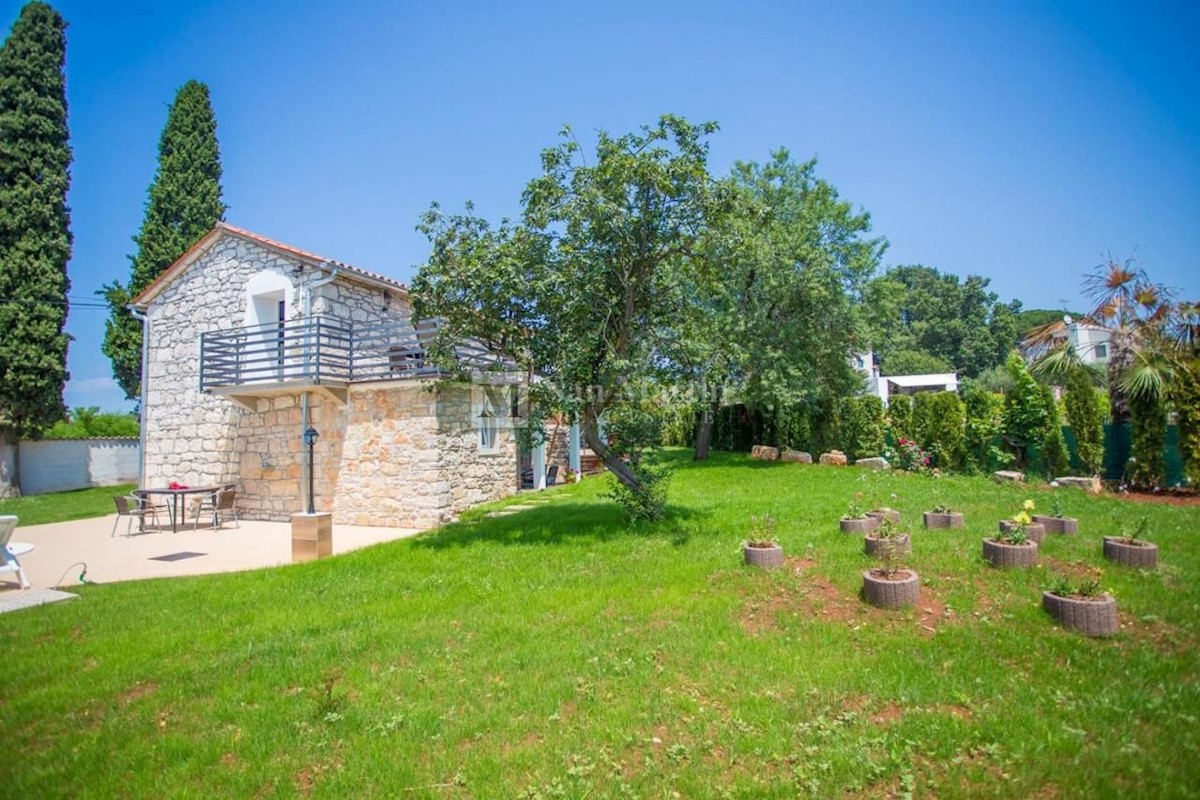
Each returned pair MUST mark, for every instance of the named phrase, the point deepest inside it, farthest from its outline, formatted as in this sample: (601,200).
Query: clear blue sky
(1021,141)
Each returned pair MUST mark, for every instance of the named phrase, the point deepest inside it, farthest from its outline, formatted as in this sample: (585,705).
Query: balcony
(324,354)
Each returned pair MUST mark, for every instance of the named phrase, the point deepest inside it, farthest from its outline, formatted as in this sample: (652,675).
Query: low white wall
(59,465)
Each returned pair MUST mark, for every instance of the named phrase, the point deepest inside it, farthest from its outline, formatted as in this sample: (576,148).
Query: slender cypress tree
(184,203)
(35,237)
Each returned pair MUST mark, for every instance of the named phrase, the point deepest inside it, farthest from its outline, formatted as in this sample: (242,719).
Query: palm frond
(1057,363)
(1148,376)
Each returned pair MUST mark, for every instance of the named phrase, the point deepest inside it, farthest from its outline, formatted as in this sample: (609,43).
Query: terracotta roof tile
(224,227)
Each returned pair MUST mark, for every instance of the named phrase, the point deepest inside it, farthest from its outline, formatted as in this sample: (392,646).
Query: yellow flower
(1028,505)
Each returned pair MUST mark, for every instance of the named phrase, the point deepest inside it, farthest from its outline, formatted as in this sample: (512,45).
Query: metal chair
(219,505)
(133,507)
(8,559)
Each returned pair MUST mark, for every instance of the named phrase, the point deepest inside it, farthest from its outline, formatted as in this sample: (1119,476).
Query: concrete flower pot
(1091,616)
(1065,525)
(1035,531)
(860,526)
(889,514)
(897,590)
(1139,554)
(1003,554)
(763,556)
(876,547)
(936,521)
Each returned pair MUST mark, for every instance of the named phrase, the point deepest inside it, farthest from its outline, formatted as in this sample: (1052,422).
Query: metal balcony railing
(318,350)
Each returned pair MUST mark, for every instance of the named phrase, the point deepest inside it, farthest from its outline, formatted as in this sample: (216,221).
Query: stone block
(1092,484)
(764,453)
(874,462)
(834,458)
(1008,476)
(312,536)
(796,457)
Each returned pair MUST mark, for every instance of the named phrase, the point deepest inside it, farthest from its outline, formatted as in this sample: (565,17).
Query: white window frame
(487,419)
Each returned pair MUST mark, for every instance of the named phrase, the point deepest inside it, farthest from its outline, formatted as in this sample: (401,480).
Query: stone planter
(1139,554)
(898,590)
(763,556)
(1035,531)
(935,521)
(1067,525)
(874,546)
(1003,554)
(860,526)
(1091,616)
(889,514)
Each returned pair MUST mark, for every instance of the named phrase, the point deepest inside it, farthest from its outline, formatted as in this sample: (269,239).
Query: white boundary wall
(59,465)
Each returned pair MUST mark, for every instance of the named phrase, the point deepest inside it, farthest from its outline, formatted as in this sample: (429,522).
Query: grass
(558,653)
(38,509)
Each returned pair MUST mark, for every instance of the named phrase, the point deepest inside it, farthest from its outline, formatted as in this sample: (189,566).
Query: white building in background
(1090,342)
(886,386)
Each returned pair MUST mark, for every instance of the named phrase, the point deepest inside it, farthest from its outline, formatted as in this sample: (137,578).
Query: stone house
(248,342)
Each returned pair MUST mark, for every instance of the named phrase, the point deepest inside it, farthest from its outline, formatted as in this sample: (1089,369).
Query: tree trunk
(9,486)
(591,435)
(704,432)
(1120,359)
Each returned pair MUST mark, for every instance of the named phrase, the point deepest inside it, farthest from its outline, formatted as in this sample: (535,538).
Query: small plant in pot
(1132,550)
(1022,519)
(941,517)
(1081,606)
(762,549)
(883,513)
(855,520)
(886,537)
(889,585)
(1057,520)
(1011,548)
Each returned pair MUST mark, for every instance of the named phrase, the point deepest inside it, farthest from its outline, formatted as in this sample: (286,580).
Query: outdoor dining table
(175,494)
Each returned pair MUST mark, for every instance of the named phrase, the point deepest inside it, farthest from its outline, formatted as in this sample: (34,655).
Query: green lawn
(39,509)
(556,653)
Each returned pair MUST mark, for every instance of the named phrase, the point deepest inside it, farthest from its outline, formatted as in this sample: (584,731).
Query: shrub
(1025,412)
(651,503)
(1085,415)
(985,424)
(1055,460)
(907,455)
(921,414)
(91,423)
(1148,416)
(864,427)
(900,416)
(1185,395)
(945,428)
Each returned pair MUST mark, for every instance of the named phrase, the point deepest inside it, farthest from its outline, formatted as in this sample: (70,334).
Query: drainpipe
(304,413)
(145,320)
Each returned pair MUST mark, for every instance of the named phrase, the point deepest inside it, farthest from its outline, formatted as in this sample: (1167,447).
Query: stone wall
(411,456)
(201,439)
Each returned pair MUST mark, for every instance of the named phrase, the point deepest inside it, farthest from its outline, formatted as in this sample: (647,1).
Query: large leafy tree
(775,323)
(958,322)
(35,238)
(584,292)
(184,203)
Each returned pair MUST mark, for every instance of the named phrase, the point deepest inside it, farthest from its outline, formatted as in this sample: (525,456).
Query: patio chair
(133,507)
(8,559)
(220,505)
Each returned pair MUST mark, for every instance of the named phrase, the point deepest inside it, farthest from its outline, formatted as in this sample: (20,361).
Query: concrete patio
(58,546)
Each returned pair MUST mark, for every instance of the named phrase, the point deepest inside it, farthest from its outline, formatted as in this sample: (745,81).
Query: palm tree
(1143,324)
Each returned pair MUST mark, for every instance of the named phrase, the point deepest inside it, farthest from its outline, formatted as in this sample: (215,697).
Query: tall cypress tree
(184,203)
(35,237)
